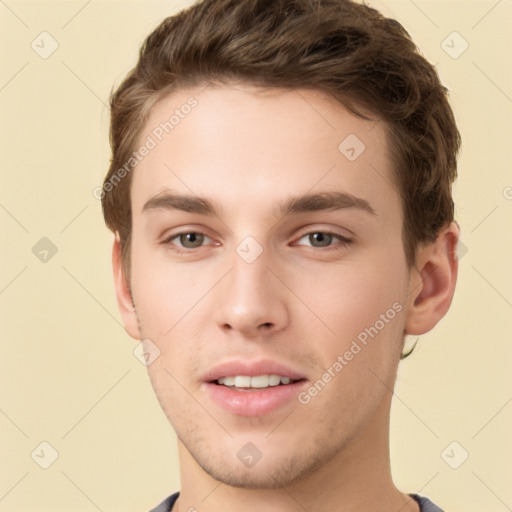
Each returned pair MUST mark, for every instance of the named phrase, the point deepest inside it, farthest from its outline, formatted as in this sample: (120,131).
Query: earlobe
(123,292)
(432,282)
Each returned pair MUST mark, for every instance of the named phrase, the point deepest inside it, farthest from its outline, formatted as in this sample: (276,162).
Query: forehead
(228,141)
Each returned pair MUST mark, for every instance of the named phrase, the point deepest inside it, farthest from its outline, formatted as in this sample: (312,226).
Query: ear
(432,281)
(123,292)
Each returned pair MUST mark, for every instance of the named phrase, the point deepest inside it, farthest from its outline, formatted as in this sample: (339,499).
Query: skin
(299,303)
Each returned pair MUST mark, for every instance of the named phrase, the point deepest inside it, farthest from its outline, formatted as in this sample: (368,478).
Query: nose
(251,300)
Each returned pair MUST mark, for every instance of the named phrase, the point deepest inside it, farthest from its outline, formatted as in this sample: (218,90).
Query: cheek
(363,307)
(174,311)
(351,298)
(358,307)
(163,293)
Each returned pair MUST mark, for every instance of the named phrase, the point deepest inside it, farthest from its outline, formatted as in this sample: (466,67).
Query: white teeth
(259,381)
(241,381)
(274,380)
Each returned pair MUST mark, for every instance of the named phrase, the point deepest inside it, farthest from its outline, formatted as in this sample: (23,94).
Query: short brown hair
(351,51)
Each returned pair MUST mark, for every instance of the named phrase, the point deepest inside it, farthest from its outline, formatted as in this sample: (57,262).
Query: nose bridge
(252,298)
(250,274)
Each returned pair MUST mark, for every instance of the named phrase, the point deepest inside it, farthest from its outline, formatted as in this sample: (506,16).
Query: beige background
(68,373)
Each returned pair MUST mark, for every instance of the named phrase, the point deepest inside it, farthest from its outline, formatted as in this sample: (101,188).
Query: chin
(272,471)
(254,478)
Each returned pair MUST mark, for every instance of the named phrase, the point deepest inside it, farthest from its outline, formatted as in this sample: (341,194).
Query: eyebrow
(305,203)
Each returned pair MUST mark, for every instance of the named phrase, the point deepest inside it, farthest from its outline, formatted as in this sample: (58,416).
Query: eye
(187,240)
(323,239)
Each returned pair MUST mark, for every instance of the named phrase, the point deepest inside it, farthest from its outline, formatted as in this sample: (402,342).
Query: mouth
(248,383)
(254,388)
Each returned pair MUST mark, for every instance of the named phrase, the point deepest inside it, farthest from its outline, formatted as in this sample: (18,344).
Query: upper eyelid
(329,231)
(302,232)
(172,236)
(341,238)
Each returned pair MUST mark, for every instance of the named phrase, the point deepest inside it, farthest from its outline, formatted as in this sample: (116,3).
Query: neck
(358,477)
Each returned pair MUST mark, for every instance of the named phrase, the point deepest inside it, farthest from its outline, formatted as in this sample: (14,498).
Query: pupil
(191,240)
(320,239)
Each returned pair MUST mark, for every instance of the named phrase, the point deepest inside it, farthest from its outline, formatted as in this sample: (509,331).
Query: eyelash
(344,242)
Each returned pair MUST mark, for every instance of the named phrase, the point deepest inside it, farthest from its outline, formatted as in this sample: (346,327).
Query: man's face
(270,290)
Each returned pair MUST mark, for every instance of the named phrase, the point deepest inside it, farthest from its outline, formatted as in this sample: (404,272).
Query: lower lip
(253,403)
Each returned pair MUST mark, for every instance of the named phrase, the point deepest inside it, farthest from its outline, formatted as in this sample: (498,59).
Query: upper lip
(252,369)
